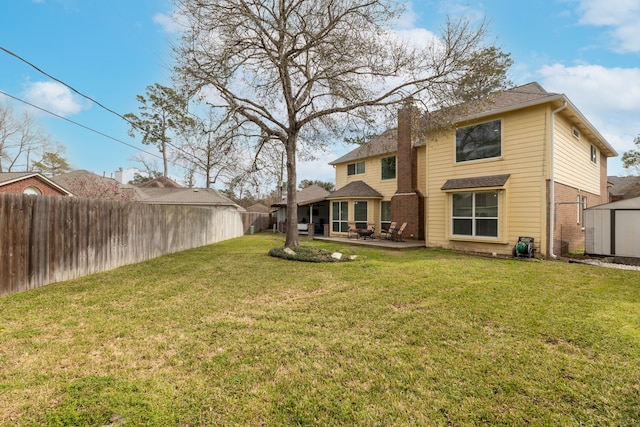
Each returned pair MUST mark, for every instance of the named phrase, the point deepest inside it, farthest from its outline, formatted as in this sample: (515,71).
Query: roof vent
(576,132)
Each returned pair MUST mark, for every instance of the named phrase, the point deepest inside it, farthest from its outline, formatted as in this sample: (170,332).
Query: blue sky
(111,50)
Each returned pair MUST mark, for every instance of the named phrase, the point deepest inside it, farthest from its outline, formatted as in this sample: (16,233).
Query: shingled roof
(626,187)
(476,182)
(185,196)
(386,143)
(528,95)
(355,189)
(311,194)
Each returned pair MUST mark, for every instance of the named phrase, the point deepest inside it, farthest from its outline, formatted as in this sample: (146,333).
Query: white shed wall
(628,233)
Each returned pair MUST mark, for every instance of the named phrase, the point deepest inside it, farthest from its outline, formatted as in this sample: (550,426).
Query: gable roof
(519,97)
(258,207)
(311,194)
(7,178)
(160,181)
(355,189)
(528,95)
(624,186)
(77,181)
(385,143)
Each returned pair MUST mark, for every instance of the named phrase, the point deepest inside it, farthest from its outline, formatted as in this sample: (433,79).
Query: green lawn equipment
(524,247)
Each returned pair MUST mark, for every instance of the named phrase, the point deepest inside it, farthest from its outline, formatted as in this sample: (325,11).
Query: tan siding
(523,144)
(572,159)
(372,177)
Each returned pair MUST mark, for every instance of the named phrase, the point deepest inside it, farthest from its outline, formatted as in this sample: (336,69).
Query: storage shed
(613,229)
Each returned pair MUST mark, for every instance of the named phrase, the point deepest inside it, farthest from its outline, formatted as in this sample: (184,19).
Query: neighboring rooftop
(11,177)
(624,187)
(160,182)
(311,194)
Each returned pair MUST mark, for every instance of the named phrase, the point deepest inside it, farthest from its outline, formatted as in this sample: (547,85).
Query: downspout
(552,195)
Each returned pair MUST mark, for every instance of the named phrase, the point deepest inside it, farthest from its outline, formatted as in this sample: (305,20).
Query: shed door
(628,233)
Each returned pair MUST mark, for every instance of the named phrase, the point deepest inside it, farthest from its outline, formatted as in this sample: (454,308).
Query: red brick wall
(18,187)
(568,232)
(604,185)
(407,203)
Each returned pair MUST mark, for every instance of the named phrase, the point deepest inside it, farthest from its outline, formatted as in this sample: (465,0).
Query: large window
(481,141)
(361,214)
(355,168)
(475,214)
(388,167)
(340,215)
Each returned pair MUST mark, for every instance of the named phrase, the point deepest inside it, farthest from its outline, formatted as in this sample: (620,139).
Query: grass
(228,335)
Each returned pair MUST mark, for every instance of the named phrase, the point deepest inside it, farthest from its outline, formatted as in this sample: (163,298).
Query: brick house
(477,176)
(32,183)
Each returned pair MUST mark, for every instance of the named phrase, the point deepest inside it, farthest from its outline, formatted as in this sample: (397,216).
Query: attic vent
(576,133)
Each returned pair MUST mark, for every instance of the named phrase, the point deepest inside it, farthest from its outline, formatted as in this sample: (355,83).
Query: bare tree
(22,141)
(210,148)
(294,69)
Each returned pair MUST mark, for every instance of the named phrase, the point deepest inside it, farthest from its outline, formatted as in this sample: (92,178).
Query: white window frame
(341,223)
(361,223)
(356,168)
(460,129)
(474,217)
(395,168)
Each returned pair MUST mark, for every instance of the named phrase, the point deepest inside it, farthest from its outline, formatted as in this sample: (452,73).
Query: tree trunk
(292,239)
(165,163)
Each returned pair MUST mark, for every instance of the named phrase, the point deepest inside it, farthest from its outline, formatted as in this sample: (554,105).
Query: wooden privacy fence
(48,239)
(260,221)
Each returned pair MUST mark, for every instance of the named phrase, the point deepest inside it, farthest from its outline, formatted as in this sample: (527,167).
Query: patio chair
(397,235)
(352,228)
(389,232)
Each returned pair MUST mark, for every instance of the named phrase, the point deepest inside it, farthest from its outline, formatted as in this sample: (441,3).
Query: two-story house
(476,177)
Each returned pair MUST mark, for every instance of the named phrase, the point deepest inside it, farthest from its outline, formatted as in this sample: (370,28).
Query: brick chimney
(407,204)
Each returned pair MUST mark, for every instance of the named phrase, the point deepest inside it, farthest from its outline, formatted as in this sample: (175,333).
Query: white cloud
(54,97)
(608,97)
(621,16)
(169,24)
(318,168)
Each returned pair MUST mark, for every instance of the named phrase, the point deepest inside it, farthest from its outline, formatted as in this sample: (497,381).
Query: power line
(83,126)
(7,51)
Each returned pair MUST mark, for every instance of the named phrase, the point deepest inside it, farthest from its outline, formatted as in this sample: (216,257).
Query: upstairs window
(481,141)
(388,167)
(594,154)
(355,168)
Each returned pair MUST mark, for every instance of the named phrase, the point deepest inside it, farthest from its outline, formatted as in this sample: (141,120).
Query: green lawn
(226,335)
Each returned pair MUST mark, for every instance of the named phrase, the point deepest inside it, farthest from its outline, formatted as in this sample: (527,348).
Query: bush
(307,254)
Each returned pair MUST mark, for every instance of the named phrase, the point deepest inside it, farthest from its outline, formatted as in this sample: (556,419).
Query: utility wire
(15,55)
(84,126)
(63,83)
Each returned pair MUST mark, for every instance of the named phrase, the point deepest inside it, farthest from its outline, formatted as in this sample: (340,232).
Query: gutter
(552,193)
